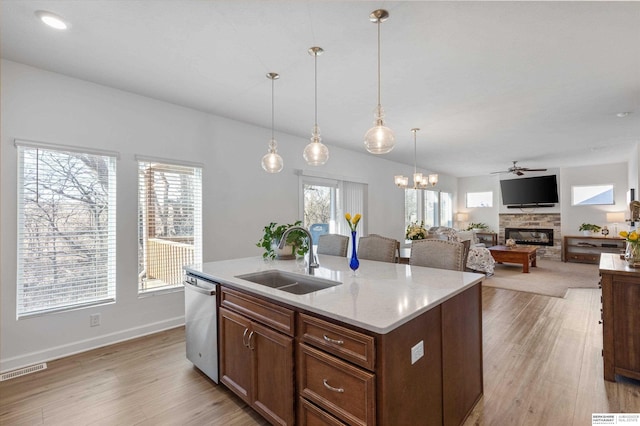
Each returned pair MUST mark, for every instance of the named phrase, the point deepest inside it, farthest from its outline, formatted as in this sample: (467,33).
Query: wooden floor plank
(542,365)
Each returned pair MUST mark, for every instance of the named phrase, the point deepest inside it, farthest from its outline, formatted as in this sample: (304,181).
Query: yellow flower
(624,234)
(353,222)
(633,236)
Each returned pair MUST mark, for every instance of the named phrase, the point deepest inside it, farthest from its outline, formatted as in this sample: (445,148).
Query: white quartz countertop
(381,297)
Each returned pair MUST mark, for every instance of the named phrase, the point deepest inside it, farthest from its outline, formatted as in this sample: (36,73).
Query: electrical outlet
(94,320)
(417,352)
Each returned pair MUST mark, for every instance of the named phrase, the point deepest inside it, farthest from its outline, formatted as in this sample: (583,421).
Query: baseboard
(62,351)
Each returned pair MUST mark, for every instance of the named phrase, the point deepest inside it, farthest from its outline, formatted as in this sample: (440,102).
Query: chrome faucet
(313,263)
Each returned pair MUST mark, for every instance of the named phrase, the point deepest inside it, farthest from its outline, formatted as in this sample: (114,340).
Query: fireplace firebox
(532,236)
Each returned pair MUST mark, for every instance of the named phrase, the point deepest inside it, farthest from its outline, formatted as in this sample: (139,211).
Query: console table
(620,317)
(585,249)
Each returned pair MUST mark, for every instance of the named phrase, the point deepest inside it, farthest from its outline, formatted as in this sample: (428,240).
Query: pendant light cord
(272,107)
(315,64)
(415,154)
(379,103)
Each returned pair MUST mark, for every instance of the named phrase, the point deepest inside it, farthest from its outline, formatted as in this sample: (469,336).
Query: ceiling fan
(517,170)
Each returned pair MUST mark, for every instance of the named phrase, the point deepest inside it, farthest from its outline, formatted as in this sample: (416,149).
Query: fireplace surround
(533,222)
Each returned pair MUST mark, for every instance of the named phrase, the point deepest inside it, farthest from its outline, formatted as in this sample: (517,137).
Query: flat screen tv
(537,190)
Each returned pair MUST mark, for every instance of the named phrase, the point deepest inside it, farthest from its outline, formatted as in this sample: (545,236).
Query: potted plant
(479,225)
(588,228)
(296,245)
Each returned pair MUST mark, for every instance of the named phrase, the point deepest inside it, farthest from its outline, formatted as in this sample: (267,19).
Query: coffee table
(523,255)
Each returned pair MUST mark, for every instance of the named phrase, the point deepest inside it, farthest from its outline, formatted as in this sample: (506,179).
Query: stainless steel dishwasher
(201,324)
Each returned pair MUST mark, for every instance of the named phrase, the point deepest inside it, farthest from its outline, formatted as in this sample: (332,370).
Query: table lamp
(615,218)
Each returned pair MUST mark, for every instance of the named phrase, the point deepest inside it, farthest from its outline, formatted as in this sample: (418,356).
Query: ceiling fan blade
(533,170)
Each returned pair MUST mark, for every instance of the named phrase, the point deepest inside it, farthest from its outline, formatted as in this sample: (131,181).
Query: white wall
(573,216)
(239,198)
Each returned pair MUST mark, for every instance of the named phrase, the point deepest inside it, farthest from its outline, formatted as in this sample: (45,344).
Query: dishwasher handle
(192,284)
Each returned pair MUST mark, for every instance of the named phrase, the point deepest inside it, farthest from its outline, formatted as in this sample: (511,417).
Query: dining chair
(377,247)
(333,244)
(436,253)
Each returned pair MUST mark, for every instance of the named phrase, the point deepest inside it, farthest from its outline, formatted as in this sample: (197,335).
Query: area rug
(549,278)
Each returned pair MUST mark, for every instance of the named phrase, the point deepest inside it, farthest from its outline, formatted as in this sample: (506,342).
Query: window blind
(66,229)
(169,223)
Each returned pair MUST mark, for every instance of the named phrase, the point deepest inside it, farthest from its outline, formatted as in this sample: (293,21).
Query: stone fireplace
(540,229)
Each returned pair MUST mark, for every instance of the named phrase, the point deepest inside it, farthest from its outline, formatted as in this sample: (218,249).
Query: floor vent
(23,371)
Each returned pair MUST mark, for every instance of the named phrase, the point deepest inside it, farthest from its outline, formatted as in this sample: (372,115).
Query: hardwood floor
(542,366)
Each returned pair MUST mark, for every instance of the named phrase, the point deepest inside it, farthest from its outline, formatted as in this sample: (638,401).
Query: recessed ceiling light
(623,114)
(52,20)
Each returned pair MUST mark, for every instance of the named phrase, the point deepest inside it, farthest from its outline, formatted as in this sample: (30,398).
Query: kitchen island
(396,344)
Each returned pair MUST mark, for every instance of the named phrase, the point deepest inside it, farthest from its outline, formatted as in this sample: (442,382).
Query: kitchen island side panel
(411,393)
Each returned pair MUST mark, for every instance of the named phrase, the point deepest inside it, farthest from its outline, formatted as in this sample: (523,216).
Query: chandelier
(420,181)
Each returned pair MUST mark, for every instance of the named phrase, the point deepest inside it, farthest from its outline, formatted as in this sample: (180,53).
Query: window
(324,202)
(446,209)
(435,208)
(431,211)
(66,229)
(479,199)
(591,195)
(169,223)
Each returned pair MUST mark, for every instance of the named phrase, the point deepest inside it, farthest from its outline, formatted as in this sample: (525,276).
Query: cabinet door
(626,326)
(273,388)
(235,356)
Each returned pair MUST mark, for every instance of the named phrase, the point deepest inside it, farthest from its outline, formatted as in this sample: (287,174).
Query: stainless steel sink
(288,281)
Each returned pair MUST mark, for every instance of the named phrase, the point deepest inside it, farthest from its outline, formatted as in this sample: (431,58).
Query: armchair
(479,258)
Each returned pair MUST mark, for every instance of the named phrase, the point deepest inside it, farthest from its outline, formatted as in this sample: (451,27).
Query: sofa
(479,258)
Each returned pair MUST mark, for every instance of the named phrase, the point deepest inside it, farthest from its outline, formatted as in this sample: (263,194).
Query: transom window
(169,223)
(66,229)
(479,199)
(587,195)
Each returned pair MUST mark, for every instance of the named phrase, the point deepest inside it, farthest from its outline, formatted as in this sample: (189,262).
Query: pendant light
(272,161)
(379,139)
(316,153)
(419,180)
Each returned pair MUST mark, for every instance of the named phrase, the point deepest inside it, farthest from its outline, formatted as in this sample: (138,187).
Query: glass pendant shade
(433,179)
(379,140)
(316,153)
(272,161)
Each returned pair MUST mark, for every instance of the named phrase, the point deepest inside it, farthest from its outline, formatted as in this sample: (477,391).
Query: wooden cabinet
(620,318)
(489,239)
(346,392)
(256,361)
(349,376)
(584,249)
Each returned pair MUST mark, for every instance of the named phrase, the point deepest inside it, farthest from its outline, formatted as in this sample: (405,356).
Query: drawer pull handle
(331,388)
(330,340)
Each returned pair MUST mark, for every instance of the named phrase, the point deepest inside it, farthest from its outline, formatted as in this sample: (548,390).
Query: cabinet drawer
(342,389)
(583,257)
(340,341)
(310,415)
(267,313)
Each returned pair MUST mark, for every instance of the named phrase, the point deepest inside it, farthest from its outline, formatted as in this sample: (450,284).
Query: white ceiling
(487,82)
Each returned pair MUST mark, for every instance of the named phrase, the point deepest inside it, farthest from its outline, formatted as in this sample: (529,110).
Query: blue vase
(354,264)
